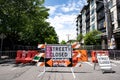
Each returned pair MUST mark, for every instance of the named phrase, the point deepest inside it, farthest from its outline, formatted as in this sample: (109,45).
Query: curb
(115,61)
(4,61)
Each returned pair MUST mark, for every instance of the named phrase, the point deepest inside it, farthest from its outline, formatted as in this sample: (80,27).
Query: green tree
(63,42)
(79,37)
(24,22)
(51,36)
(90,39)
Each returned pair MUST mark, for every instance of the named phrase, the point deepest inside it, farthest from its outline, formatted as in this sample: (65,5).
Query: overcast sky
(63,15)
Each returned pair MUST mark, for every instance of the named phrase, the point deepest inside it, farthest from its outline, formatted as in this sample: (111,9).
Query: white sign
(58,51)
(104,61)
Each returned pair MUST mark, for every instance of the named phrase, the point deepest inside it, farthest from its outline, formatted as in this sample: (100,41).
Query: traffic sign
(104,62)
(58,55)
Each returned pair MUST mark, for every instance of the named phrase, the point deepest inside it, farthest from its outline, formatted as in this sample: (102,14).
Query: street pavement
(9,71)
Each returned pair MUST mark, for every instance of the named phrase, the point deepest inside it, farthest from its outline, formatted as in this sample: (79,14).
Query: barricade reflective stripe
(41,45)
(78,57)
(40,59)
(40,64)
(75,45)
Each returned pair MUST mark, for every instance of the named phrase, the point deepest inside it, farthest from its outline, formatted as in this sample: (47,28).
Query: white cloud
(52,9)
(73,5)
(63,20)
(68,7)
(64,24)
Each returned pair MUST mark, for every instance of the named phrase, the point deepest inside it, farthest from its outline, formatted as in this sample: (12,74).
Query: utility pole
(68,36)
(108,23)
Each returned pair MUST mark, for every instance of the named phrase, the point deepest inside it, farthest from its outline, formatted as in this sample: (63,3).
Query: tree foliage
(62,42)
(89,38)
(79,37)
(24,22)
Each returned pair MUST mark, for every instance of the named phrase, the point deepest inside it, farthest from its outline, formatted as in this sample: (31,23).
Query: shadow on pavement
(65,72)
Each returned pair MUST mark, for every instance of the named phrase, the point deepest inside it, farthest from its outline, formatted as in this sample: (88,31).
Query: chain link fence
(113,54)
(11,54)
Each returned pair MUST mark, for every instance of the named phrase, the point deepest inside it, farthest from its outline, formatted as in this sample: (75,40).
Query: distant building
(92,17)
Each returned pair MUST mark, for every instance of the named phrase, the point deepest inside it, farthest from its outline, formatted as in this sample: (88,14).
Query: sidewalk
(6,60)
(3,61)
(115,61)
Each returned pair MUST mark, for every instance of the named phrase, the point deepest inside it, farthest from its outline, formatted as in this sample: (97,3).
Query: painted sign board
(57,55)
(104,62)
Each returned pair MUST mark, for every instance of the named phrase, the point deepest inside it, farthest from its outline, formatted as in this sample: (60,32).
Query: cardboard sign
(104,61)
(58,55)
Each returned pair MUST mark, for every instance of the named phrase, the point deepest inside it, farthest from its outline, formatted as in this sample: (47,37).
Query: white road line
(42,72)
(89,64)
(73,73)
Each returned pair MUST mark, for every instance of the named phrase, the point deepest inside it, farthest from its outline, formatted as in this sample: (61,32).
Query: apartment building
(79,24)
(87,18)
(83,19)
(92,17)
(100,17)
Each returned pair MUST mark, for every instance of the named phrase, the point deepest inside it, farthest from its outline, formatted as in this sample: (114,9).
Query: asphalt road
(9,71)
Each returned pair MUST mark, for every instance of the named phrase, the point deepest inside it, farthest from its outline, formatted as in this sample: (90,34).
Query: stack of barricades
(25,56)
(79,56)
(75,45)
(94,53)
(41,46)
(30,56)
(39,59)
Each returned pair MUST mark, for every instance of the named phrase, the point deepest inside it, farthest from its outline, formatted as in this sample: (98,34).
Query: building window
(119,25)
(111,3)
(118,20)
(93,26)
(92,2)
(119,17)
(101,24)
(112,16)
(92,11)
(93,18)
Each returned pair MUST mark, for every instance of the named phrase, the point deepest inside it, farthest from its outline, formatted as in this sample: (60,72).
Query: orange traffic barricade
(19,55)
(29,56)
(94,53)
(24,55)
(94,58)
(28,59)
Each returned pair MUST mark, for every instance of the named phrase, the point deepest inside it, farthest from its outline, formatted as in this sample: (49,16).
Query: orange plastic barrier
(25,56)
(94,52)
(30,56)
(19,55)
